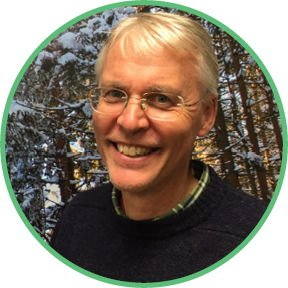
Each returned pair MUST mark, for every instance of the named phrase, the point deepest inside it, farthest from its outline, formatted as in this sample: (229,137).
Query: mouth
(134,151)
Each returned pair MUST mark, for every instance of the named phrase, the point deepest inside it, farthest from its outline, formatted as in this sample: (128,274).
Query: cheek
(101,129)
(178,135)
(102,124)
(185,132)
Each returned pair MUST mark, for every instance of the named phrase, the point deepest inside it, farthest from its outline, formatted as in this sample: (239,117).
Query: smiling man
(163,216)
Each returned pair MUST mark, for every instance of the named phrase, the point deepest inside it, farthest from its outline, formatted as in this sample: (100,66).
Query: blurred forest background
(51,153)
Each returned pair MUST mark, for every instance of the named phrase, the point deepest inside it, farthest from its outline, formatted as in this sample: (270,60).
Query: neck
(142,206)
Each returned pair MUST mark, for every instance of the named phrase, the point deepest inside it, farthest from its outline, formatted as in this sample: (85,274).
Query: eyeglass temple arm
(189,105)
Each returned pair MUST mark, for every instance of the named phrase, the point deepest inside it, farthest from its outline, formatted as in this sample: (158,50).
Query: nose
(133,117)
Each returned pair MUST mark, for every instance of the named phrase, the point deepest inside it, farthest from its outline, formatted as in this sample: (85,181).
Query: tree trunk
(274,119)
(227,161)
(236,123)
(260,170)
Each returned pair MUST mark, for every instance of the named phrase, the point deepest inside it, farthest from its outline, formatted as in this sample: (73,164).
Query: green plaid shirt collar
(198,169)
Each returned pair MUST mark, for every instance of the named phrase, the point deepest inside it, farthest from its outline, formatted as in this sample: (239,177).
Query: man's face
(169,143)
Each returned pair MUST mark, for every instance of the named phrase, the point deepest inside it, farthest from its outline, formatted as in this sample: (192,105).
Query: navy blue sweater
(91,234)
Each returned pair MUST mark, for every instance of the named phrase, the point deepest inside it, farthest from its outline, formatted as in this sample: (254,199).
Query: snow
(72,113)
(101,28)
(86,158)
(250,60)
(27,191)
(62,131)
(267,88)
(91,48)
(76,146)
(74,181)
(106,14)
(130,9)
(230,146)
(68,41)
(241,155)
(54,195)
(79,104)
(227,114)
(87,31)
(254,159)
(121,10)
(42,55)
(252,156)
(97,172)
(57,69)
(87,109)
(83,72)
(276,157)
(70,154)
(26,203)
(15,107)
(239,73)
(227,58)
(54,179)
(94,23)
(226,97)
(59,108)
(13,169)
(250,102)
(242,173)
(237,168)
(49,203)
(68,57)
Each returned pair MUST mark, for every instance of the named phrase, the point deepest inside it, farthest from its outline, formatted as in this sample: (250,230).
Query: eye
(160,101)
(113,95)
(161,98)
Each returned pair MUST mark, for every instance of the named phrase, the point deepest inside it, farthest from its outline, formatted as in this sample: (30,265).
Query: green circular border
(152,284)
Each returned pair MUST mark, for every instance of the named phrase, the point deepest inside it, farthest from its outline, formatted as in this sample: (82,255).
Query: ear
(209,115)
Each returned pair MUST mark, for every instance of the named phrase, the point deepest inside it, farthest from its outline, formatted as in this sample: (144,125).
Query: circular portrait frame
(208,269)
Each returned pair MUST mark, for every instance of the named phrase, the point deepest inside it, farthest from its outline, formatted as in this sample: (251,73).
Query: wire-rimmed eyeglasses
(156,105)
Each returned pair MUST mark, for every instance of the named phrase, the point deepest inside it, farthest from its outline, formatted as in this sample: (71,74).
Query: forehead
(158,68)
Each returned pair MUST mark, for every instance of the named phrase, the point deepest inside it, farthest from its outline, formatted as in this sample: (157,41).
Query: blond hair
(150,32)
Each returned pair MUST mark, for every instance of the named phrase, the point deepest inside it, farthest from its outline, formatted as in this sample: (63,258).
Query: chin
(134,187)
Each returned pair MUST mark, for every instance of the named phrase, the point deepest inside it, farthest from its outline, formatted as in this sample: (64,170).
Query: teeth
(126,150)
(133,151)
(120,147)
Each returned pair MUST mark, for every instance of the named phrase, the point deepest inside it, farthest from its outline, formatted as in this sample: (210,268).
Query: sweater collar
(206,203)
(198,169)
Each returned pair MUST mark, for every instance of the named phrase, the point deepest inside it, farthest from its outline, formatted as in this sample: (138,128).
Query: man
(163,216)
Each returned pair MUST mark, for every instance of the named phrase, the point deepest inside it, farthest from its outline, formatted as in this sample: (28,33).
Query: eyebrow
(113,84)
(152,88)
(160,88)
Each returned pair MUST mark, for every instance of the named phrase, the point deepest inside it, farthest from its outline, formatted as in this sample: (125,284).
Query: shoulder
(97,197)
(235,200)
(82,209)
(237,212)
(244,209)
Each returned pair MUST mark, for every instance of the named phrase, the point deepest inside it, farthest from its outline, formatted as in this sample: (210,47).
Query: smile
(133,151)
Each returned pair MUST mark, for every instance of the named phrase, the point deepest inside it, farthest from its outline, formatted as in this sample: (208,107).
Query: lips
(134,151)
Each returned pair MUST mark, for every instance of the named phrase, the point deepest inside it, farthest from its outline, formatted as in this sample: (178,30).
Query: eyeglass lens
(160,106)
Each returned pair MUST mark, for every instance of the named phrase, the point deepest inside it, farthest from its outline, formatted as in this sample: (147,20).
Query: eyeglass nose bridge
(135,98)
